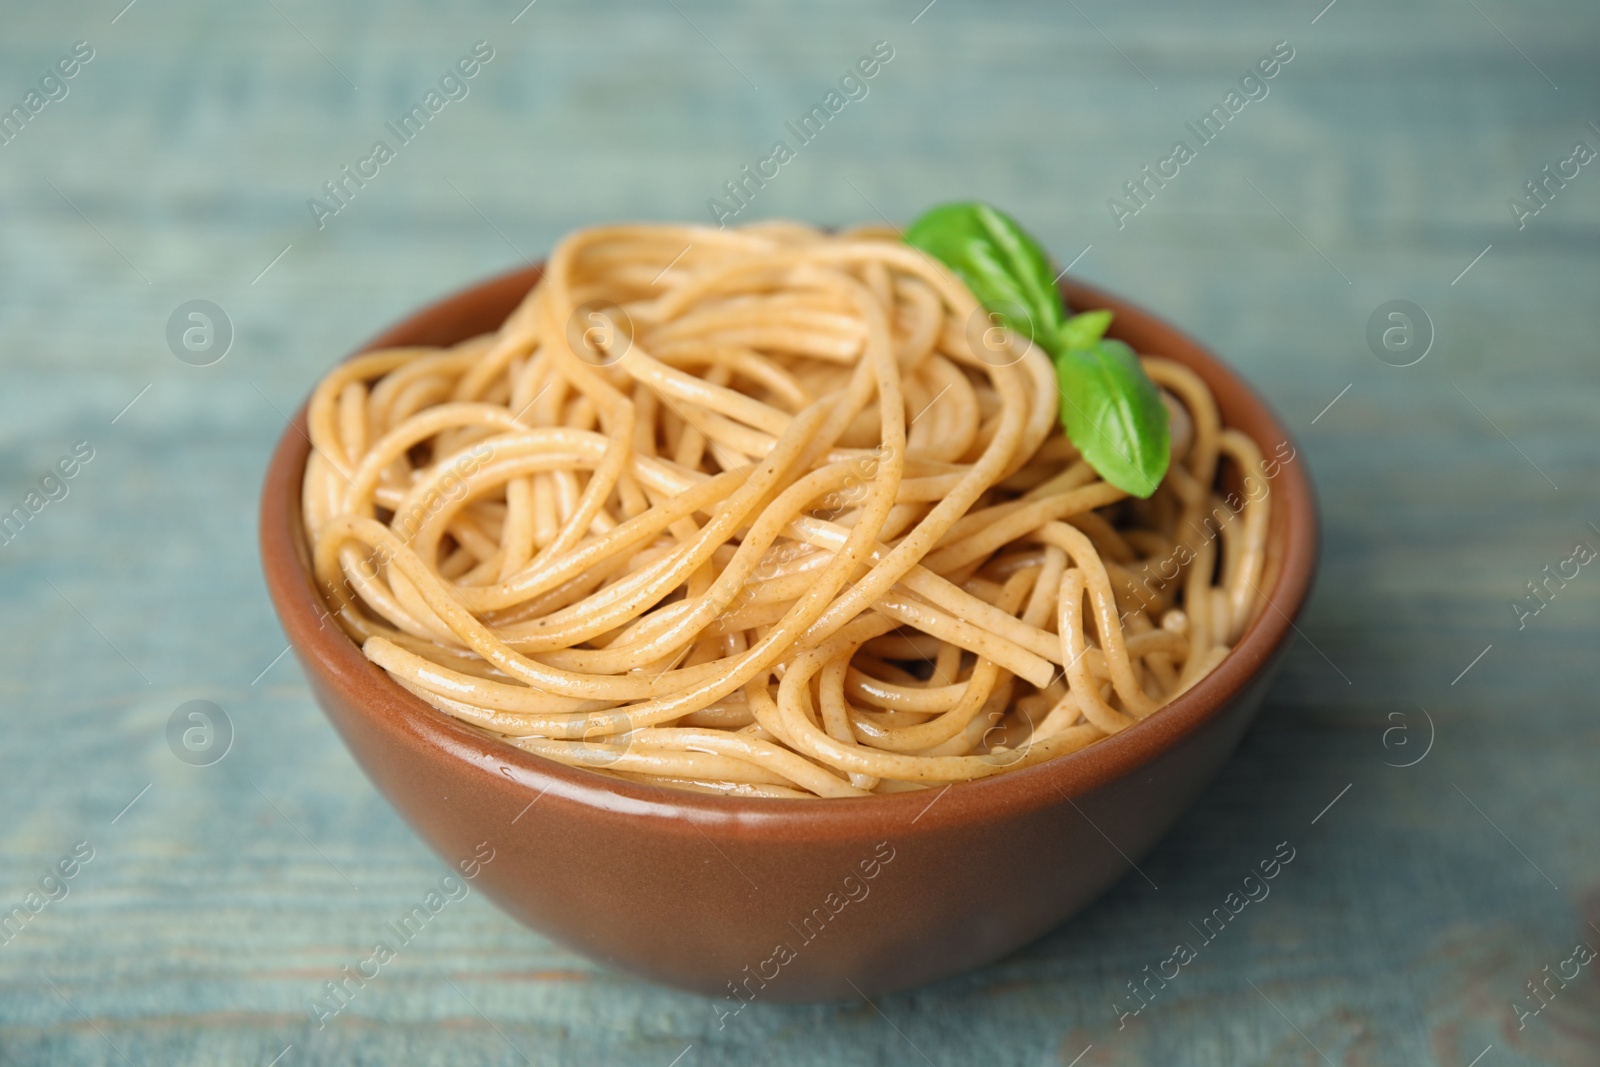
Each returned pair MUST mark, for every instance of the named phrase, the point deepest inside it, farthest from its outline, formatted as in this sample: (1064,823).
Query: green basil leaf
(1113,413)
(1083,330)
(1003,266)
(1111,409)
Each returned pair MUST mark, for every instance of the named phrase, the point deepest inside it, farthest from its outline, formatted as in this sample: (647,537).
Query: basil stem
(1110,408)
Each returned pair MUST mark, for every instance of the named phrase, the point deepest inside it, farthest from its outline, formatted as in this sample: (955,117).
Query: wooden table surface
(1377,167)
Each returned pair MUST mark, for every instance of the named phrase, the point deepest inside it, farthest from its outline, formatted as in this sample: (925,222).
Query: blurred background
(1429,750)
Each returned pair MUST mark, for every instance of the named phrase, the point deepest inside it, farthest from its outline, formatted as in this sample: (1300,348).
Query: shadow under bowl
(788,900)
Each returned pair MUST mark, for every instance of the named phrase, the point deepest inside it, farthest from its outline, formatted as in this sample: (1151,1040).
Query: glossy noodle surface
(769,512)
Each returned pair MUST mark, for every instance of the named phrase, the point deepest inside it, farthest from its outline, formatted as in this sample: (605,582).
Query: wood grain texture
(1381,161)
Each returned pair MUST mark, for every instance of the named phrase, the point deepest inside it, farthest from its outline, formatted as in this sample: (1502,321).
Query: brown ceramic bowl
(788,900)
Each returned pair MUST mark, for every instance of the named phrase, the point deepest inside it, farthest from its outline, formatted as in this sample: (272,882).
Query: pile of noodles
(769,512)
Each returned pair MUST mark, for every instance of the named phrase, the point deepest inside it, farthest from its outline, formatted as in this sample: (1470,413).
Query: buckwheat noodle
(768,512)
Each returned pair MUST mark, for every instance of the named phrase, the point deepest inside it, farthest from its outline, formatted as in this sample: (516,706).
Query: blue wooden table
(1429,753)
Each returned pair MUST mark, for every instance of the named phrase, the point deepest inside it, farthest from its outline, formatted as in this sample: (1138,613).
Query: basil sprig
(1110,408)
(1113,412)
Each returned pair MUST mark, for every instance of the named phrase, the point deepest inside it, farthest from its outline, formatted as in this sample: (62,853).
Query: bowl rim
(337,662)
